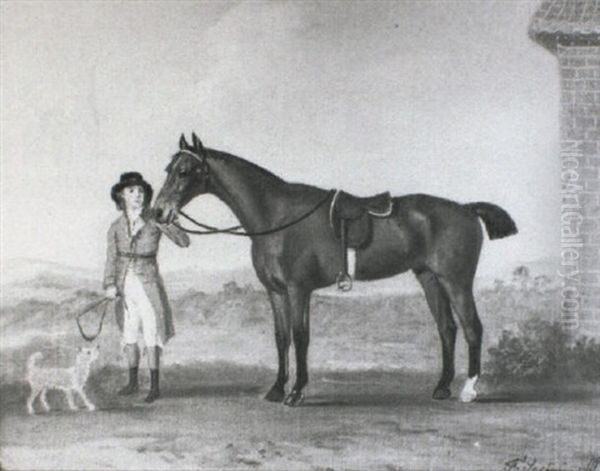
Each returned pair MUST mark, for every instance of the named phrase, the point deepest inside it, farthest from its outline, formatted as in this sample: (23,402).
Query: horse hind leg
(463,302)
(440,308)
(280,307)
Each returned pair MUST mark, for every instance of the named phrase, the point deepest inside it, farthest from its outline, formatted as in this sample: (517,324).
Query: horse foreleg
(280,306)
(440,308)
(299,312)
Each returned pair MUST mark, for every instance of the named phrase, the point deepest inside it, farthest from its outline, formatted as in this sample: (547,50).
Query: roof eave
(551,40)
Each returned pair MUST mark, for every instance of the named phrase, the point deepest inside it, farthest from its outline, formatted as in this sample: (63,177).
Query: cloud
(440,97)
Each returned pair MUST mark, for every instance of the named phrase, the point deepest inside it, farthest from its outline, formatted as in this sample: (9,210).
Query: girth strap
(134,256)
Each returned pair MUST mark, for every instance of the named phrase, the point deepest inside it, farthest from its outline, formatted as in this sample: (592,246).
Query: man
(132,277)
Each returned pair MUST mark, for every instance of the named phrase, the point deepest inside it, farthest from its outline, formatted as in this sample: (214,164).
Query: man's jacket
(138,252)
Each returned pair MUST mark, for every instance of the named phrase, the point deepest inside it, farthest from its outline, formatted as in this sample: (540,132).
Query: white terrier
(68,379)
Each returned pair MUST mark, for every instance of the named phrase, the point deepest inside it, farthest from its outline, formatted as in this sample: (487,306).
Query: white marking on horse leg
(352,262)
(468,393)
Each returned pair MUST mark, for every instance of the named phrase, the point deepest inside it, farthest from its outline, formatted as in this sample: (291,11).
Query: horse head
(187,177)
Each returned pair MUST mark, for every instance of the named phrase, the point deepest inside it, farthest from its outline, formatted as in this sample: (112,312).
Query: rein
(87,309)
(234,230)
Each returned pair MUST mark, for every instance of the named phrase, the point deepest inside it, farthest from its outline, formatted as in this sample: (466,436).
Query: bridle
(204,168)
(234,230)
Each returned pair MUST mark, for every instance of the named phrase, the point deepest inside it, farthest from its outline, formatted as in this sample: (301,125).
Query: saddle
(350,218)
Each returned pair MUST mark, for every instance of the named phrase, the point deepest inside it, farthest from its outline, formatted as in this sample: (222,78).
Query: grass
(542,351)
(377,332)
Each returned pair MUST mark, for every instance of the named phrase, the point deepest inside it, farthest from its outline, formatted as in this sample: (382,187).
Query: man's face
(133,196)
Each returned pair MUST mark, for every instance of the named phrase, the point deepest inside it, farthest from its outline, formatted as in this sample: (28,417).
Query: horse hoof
(275,395)
(441,394)
(468,396)
(469,393)
(294,399)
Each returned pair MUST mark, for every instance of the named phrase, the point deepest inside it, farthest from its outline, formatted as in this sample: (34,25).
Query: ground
(352,420)
(374,361)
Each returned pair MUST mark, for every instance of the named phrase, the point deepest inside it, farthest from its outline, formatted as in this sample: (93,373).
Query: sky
(449,98)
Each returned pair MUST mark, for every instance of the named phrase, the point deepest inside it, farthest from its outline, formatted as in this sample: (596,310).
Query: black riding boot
(132,387)
(154,391)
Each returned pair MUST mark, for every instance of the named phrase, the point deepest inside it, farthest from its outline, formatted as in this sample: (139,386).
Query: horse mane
(230,159)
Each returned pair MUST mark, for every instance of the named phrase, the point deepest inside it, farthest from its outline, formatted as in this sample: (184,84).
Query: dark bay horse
(439,240)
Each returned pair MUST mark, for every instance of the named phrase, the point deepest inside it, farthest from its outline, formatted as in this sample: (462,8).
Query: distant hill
(32,278)
(209,281)
(20,276)
(24,270)
(23,278)
(16,270)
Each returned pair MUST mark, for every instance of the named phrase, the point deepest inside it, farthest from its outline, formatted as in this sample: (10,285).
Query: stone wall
(580,176)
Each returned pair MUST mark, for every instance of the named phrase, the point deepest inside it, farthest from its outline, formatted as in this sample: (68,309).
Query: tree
(521,277)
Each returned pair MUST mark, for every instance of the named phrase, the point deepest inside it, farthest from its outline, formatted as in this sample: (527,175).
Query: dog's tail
(32,359)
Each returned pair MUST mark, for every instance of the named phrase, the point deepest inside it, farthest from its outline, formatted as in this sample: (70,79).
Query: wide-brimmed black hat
(131,179)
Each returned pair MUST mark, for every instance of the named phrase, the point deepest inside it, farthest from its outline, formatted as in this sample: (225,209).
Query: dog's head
(88,355)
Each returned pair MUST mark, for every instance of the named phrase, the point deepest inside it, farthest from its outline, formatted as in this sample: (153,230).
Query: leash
(234,230)
(87,309)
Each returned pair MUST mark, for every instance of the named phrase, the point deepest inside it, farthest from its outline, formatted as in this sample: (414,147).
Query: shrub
(543,351)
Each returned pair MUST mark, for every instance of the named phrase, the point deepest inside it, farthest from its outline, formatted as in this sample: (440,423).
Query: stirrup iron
(344,280)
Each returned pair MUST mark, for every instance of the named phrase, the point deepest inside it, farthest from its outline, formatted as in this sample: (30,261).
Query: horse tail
(498,222)
(32,359)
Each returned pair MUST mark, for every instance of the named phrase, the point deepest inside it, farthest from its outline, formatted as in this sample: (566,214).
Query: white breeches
(138,313)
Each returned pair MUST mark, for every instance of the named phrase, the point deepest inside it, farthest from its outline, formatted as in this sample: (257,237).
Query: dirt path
(368,420)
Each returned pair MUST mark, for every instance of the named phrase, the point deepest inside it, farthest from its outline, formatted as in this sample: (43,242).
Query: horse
(437,239)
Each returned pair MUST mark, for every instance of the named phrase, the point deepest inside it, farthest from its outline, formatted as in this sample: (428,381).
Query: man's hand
(164,224)
(111,292)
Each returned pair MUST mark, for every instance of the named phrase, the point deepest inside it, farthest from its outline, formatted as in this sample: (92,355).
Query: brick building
(570,29)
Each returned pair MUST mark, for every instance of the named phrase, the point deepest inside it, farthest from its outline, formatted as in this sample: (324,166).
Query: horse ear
(182,142)
(197,143)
